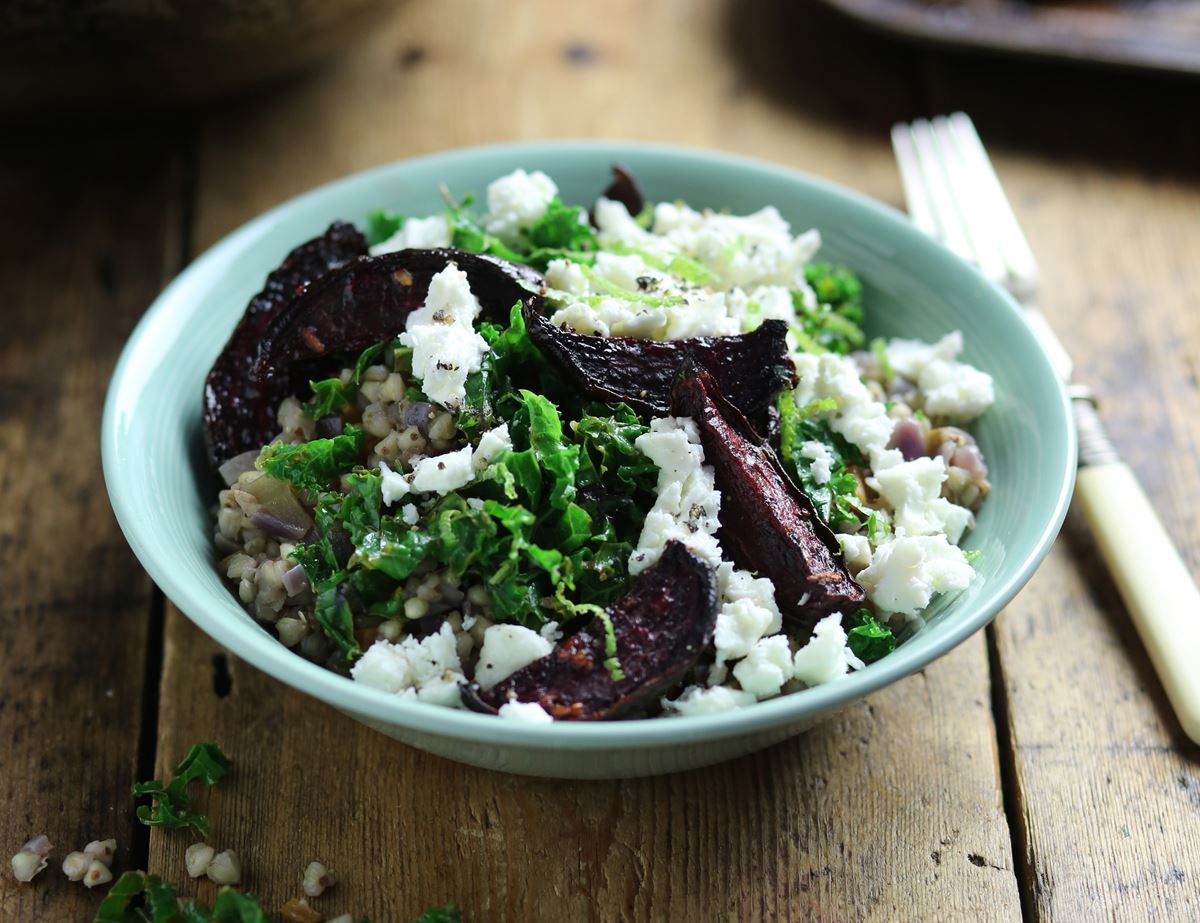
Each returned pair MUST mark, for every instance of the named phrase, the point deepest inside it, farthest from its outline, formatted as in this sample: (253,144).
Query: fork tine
(916,196)
(970,201)
(941,196)
(996,212)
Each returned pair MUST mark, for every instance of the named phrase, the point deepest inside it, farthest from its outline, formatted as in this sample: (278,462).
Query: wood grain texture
(83,248)
(889,811)
(1107,788)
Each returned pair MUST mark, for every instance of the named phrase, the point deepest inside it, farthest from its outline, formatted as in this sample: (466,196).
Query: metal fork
(953,194)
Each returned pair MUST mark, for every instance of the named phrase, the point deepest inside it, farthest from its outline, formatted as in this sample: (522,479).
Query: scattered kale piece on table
(171,806)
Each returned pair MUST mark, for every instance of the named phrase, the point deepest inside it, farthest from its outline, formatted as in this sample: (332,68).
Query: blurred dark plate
(1160,35)
(78,54)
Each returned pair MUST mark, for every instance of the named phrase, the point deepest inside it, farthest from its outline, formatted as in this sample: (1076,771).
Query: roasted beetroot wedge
(624,189)
(750,368)
(233,415)
(344,311)
(661,625)
(768,524)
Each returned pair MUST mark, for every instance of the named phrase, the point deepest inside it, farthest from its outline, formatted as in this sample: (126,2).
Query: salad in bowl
(561,461)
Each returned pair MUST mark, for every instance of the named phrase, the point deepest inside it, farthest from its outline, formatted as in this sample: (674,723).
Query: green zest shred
(171,806)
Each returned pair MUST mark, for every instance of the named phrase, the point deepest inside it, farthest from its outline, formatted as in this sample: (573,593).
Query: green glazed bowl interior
(162,492)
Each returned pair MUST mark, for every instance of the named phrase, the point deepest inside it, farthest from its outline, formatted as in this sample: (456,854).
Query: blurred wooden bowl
(75,54)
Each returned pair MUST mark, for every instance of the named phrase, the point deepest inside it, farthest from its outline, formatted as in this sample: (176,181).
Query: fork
(954,195)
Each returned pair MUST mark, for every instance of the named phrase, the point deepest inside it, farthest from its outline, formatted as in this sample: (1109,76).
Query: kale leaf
(171,806)
(138,897)
(315,465)
(869,639)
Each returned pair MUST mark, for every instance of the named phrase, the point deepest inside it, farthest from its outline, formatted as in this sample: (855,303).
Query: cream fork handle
(1153,580)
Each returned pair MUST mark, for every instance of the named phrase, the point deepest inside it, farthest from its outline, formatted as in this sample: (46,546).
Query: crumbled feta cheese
(506,649)
(701,700)
(446,348)
(740,624)
(516,201)
(580,318)
(859,418)
(198,857)
(97,874)
(525,711)
(566,276)
(225,868)
(443,473)
(688,502)
(906,572)
(551,632)
(856,549)
(766,667)
(616,225)
(475,503)
(491,444)
(101,850)
(394,485)
(913,489)
(75,866)
(416,234)
(955,389)
(409,514)
(822,460)
(428,669)
(317,878)
(825,657)
(908,358)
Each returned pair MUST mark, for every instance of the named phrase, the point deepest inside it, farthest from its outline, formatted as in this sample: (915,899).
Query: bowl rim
(376,706)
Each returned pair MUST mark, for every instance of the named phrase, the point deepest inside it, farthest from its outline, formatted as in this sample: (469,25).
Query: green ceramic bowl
(161,490)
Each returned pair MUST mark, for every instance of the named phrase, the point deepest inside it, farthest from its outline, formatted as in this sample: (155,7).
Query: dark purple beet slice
(345,311)
(768,524)
(232,414)
(624,189)
(662,625)
(750,368)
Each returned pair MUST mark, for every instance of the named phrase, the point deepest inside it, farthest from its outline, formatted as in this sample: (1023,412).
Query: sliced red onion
(909,438)
(277,527)
(328,427)
(418,415)
(970,459)
(237,466)
(295,580)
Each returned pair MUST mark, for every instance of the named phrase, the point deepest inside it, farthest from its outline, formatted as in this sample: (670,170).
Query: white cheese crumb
(506,649)
(551,632)
(955,389)
(443,473)
(491,444)
(409,514)
(856,549)
(530,712)
(907,571)
(825,657)
(394,485)
(446,348)
(197,858)
(416,234)
(701,700)
(822,460)
(428,669)
(516,201)
(766,668)
(225,868)
(740,624)
(914,490)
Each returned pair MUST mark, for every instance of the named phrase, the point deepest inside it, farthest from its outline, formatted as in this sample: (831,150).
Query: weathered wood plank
(1107,786)
(891,810)
(85,244)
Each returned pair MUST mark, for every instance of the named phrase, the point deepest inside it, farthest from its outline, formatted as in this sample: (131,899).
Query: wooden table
(1036,772)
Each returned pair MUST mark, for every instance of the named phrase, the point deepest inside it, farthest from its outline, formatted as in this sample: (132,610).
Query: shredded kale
(315,465)
(138,897)
(835,323)
(563,232)
(447,914)
(869,639)
(171,806)
(382,224)
(331,395)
